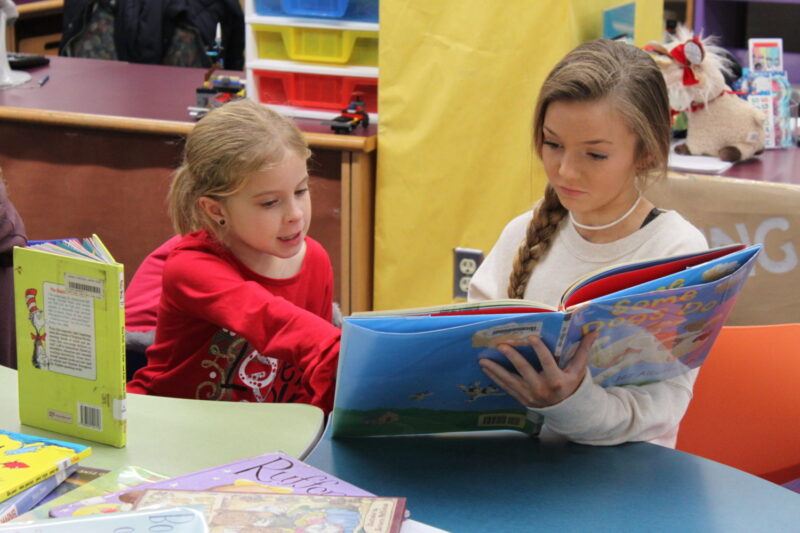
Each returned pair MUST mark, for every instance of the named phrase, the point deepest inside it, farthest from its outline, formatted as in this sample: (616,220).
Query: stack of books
(34,468)
(269,492)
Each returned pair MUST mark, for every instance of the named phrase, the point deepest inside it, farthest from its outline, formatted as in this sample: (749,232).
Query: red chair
(746,407)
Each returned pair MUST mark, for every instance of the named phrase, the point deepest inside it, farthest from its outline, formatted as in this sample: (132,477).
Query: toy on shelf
(216,91)
(719,123)
(355,115)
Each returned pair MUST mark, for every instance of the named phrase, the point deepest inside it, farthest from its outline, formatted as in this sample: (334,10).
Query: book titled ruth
(70,315)
(416,371)
(27,460)
(273,472)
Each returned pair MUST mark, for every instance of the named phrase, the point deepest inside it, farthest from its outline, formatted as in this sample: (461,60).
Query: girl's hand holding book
(540,389)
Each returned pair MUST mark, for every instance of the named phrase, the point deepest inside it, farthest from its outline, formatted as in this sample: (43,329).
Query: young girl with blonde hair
(602,131)
(246,302)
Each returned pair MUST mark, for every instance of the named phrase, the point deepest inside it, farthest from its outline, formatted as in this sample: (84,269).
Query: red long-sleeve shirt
(227,333)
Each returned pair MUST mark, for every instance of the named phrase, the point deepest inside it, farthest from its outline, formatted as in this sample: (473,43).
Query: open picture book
(416,371)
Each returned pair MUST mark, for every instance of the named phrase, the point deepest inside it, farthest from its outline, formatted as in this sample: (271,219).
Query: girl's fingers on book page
(581,358)
(546,359)
(507,381)
(522,365)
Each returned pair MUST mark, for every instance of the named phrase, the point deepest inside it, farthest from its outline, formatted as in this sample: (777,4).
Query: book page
(658,334)
(702,164)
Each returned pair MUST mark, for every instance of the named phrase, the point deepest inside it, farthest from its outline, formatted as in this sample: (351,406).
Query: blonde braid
(538,238)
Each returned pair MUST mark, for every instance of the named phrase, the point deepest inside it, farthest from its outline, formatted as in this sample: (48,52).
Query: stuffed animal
(719,123)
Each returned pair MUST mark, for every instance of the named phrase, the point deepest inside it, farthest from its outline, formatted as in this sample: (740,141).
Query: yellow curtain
(458,83)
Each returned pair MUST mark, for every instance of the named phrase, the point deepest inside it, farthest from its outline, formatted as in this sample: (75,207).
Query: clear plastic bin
(356,10)
(314,90)
(317,44)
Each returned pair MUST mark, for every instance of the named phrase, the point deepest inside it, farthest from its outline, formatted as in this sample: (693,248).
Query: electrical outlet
(467,261)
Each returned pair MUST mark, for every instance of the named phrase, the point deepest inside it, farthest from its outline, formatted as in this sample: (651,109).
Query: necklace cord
(610,224)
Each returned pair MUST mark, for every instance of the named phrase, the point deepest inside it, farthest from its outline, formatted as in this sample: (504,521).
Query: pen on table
(44,80)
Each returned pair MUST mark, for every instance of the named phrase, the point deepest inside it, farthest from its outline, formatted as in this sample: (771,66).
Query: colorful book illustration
(234,511)
(770,92)
(29,498)
(417,371)
(273,472)
(174,520)
(26,460)
(71,339)
(114,481)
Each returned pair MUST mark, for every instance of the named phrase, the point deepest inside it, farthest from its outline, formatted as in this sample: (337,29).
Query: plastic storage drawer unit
(356,10)
(314,90)
(317,44)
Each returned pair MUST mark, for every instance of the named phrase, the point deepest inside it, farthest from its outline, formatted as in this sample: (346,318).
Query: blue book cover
(417,372)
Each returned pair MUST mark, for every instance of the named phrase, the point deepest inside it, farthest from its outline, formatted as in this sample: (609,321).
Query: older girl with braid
(602,131)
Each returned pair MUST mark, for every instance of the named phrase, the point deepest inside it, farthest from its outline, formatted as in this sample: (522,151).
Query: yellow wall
(458,82)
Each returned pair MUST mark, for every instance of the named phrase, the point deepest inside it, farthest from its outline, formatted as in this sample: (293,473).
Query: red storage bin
(314,90)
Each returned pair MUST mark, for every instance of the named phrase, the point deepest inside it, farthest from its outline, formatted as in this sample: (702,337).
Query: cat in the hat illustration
(36,317)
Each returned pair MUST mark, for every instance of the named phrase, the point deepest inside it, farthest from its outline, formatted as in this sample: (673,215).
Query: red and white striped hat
(30,300)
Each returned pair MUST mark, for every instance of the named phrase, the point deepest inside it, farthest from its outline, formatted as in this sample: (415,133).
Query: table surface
(777,166)
(175,436)
(132,95)
(510,482)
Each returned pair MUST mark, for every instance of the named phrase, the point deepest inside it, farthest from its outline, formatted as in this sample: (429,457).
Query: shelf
(733,22)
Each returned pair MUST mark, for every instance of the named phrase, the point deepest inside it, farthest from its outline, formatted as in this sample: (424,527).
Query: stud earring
(222,222)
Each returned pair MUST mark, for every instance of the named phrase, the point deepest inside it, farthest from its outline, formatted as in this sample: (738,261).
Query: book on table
(80,476)
(70,318)
(114,481)
(33,496)
(248,511)
(176,519)
(47,490)
(27,460)
(273,472)
(416,371)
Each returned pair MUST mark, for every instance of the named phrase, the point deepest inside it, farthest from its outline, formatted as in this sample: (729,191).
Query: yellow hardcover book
(70,314)
(26,460)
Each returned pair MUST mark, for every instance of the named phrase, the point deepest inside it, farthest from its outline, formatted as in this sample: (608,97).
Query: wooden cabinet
(38,28)
(93,151)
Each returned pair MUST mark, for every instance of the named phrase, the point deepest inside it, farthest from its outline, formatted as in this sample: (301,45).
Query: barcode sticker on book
(84,286)
(495,420)
(90,416)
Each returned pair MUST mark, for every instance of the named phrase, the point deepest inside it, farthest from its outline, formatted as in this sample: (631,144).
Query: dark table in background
(93,150)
